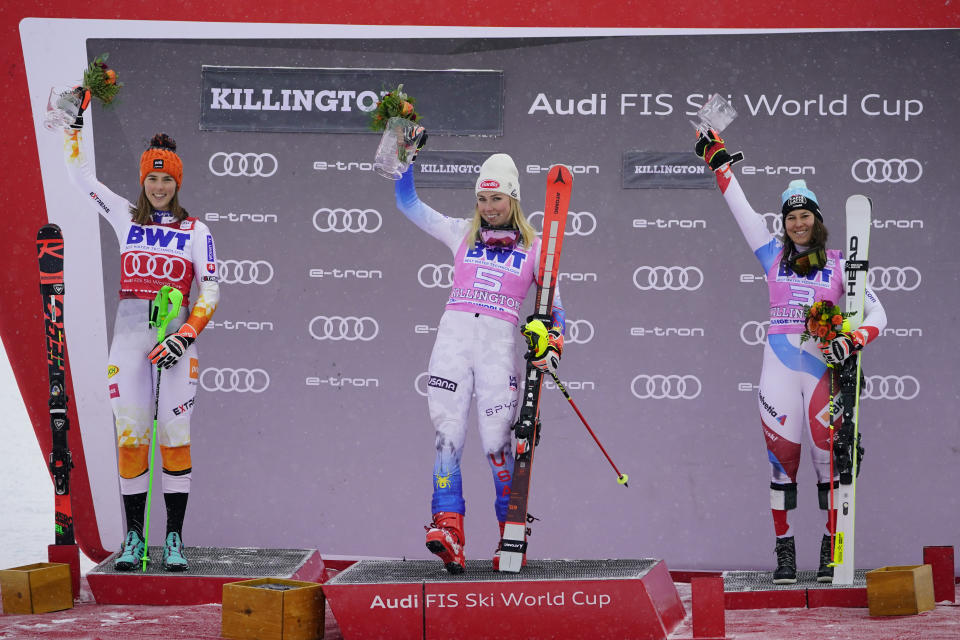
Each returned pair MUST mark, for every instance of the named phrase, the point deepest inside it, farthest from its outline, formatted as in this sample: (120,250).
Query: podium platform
(418,599)
(755,590)
(210,569)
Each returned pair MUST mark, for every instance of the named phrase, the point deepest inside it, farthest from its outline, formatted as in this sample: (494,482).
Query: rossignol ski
(60,461)
(847,441)
(513,545)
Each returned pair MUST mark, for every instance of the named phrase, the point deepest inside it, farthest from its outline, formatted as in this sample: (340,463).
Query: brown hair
(142,212)
(819,239)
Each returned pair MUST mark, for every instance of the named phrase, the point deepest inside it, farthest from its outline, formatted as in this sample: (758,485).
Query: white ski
(859,209)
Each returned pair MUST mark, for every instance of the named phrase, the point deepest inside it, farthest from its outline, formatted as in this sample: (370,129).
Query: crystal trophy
(398,147)
(716,114)
(63,105)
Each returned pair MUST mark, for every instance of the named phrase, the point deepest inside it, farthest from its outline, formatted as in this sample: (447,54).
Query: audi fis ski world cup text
(503,599)
(665,104)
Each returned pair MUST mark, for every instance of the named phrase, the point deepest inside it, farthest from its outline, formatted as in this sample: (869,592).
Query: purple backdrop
(331,445)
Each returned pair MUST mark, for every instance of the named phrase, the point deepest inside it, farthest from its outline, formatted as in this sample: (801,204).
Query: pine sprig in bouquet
(824,321)
(101,80)
(395,104)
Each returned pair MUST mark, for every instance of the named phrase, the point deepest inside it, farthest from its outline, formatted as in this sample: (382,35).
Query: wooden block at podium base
(36,588)
(272,609)
(900,591)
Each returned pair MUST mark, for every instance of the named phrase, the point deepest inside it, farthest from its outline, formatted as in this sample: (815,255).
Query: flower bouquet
(824,321)
(402,134)
(66,103)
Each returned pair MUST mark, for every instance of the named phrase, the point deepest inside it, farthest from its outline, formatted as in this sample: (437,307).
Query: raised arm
(447,230)
(764,245)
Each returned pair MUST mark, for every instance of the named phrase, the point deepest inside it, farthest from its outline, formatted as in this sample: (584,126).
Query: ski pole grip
(165,307)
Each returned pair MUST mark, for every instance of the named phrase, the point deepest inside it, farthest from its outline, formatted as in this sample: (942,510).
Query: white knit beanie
(499,173)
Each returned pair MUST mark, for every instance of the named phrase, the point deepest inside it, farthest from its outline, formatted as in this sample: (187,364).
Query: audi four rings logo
(344,328)
(881,170)
(252,165)
(435,275)
(660,387)
(245,271)
(890,388)
(668,278)
(579,223)
(893,278)
(579,332)
(170,268)
(235,380)
(347,220)
(753,332)
(774,222)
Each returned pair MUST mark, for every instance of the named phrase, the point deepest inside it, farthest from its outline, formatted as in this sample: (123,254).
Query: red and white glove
(549,359)
(168,351)
(841,347)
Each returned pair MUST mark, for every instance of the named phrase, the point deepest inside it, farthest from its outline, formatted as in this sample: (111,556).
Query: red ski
(527,429)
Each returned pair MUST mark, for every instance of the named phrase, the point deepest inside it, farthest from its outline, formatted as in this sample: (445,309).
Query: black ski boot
(825,572)
(786,572)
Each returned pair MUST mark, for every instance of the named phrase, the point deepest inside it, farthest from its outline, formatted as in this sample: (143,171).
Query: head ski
(847,441)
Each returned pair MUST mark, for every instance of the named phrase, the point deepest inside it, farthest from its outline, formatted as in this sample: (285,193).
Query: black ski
(50,259)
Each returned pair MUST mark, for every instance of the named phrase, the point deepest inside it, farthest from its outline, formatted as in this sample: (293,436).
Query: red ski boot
(496,555)
(445,538)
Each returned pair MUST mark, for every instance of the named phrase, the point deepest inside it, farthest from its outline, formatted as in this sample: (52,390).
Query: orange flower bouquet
(824,321)
(395,104)
(101,80)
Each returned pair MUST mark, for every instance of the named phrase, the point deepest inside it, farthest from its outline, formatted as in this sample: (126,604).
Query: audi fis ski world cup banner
(313,373)
(302,100)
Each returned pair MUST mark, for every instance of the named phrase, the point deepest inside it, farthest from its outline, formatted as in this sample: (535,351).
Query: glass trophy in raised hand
(67,102)
(717,114)
(403,135)
(63,106)
(399,144)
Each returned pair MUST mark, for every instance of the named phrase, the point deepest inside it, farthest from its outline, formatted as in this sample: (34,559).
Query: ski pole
(621,477)
(165,307)
(831,518)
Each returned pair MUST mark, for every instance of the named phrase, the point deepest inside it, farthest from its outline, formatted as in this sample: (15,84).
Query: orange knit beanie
(162,156)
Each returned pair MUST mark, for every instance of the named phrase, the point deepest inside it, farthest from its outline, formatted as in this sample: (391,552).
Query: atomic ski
(60,461)
(527,428)
(846,446)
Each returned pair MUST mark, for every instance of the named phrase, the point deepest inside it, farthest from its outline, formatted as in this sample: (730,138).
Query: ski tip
(560,175)
(858,200)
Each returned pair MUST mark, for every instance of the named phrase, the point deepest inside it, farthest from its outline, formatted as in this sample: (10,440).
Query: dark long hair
(819,239)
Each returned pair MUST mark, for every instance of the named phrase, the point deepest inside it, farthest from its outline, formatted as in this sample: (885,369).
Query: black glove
(712,149)
(83,97)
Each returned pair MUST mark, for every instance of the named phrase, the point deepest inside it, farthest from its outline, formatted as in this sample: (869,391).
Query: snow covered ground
(26,491)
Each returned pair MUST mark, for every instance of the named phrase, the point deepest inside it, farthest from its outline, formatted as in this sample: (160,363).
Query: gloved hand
(409,140)
(550,359)
(545,347)
(841,347)
(713,150)
(83,96)
(168,351)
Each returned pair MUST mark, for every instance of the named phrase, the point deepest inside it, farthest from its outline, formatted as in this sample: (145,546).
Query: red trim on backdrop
(22,332)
